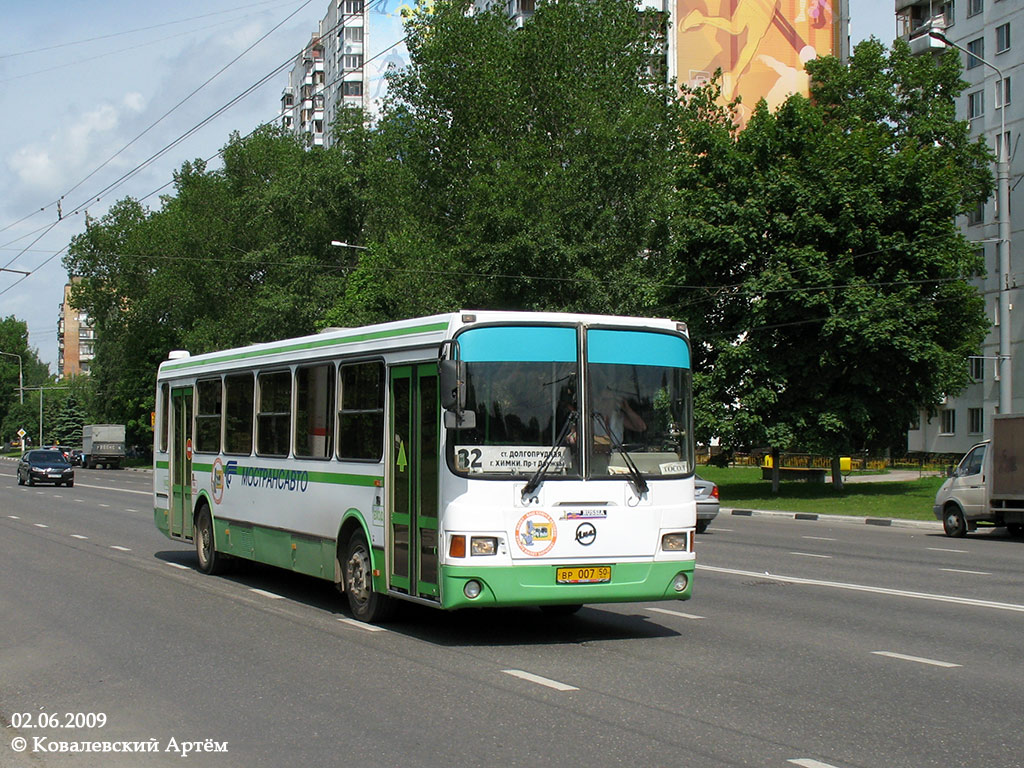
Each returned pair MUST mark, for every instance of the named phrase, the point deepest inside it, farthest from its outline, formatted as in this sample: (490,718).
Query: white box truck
(102,444)
(987,485)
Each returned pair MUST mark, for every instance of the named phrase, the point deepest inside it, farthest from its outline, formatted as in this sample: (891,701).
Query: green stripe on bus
(307,345)
(327,478)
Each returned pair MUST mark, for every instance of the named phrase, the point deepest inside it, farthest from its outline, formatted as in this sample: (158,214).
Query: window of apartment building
(975,104)
(976,420)
(948,11)
(353,34)
(1003,37)
(1002,92)
(353,61)
(976,215)
(948,417)
(974,7)
(977,364)
(976,52)
(352,89)
(353,7)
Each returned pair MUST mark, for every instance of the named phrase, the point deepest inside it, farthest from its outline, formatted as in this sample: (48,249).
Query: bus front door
(181,463)
(414,437)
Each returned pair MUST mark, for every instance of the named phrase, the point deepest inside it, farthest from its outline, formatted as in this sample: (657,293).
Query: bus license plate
(584,574)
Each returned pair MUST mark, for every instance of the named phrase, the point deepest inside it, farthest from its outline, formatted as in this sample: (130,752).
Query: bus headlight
(483,545)
(472,589)
(674,542)
(680,582)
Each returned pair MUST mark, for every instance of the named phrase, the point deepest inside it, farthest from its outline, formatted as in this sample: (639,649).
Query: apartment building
(75,338)
(343,66)
(993,103)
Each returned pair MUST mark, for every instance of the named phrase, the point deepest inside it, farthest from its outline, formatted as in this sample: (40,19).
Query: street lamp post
(340,244)
(1003,211)
(21,378)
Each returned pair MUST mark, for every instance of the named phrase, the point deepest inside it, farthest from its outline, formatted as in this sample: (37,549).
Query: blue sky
(81,81)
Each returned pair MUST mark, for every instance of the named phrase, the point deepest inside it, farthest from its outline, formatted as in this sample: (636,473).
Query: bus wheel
(953,522)
(366,605)
(1015,529)
(210,560)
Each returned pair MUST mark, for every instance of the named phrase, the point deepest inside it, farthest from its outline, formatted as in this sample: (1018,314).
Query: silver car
(707,502)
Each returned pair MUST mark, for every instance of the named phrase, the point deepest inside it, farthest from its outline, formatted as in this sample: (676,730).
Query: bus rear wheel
(366,605)
(210,560)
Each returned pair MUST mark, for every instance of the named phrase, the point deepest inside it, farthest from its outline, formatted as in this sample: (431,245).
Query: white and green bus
(461,460)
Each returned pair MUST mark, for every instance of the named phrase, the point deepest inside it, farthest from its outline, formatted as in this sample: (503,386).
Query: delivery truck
(987,486)
(102,444)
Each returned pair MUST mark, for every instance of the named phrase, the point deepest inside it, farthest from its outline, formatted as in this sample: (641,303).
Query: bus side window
(361,411)
(238,402)
(274,413)
(314,411)
(209,400)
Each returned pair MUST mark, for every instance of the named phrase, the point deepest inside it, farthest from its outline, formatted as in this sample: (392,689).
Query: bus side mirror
(452,381)
(453,386)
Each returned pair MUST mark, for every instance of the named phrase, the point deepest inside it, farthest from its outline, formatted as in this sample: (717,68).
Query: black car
(45,466)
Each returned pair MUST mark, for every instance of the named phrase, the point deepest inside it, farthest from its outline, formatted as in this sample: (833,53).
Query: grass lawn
(743,488)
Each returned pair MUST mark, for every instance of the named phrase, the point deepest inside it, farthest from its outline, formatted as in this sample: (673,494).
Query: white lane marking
(40,525)
(806,762)
(119,548)
(918,659)
(872,590)
(960,570)
(57,496)
(724,530)
(818,538)
(811,554)
(947,549)
(266,594)
(129,509)
(79,501)
(675,613)
(362,625)
(105,506)
(79,536)
(530,677)
(180,566)
(108,488)
(14,517)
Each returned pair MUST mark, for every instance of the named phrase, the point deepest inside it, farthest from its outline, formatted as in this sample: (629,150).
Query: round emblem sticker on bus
(217,480)
(536,533)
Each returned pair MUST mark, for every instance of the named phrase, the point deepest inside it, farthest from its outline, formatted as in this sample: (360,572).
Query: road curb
(882,521)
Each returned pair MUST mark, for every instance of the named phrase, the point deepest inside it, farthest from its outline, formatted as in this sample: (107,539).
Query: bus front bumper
(536,585)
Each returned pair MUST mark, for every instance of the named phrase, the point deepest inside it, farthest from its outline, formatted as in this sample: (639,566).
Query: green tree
(33,372)
(236,255)
(519,168)
(67,426)
(849,274)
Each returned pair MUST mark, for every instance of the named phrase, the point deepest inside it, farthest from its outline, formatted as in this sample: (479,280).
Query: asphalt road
(807,643)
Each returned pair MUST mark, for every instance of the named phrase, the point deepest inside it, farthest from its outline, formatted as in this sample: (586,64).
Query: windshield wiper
(531,486)
(634,473)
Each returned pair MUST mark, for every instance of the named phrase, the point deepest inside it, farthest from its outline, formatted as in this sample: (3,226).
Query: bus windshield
(524,384)
(637,386)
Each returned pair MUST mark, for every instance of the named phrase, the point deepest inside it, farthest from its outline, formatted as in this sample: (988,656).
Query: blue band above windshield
(637,348)
(518,344)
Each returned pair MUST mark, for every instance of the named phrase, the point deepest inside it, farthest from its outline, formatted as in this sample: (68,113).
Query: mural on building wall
(386,49)
(760,45)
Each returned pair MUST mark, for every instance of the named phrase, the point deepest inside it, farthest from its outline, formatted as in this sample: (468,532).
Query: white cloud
(81,142)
